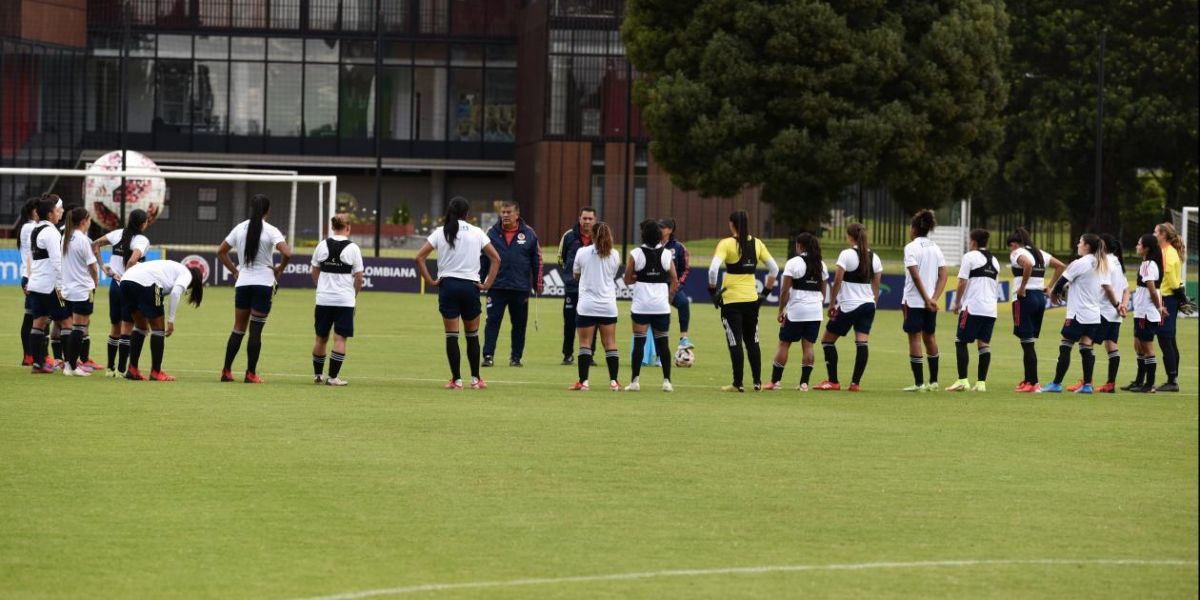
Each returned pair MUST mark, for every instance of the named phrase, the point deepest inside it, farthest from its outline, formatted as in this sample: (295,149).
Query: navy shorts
(1166,329)
(794,331)
(860,319)
(458,298)
(118,312)
(139,298)
(49,305)
(919,320)
(28,298)
(1145,329)
(338,318)
(1109,331)
(1028,313)
(656,322)
(973,328)
(1073,330)
(254,297)
(582,321)
(82,307)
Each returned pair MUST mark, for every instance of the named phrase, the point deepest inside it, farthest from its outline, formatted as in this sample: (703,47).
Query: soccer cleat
(961,385)
(567,360)
(160,376)
(318,379)
(770,387)
(1025,387)
(41,370)
(578,386)
(1035,389)
(516,362)
(91,364)
(932,386)
(828,386)
(686,343)
(1021,386)
(488,360)
(980,386)
(634,386)
(83,367)
(1170,386)
(478,384)
(133,374)
(454,384)
(916,388)
(1085,389)
(27,361)
(1108,388)
(1132,384)
(667,387)
(1147,390)
(82,372)
(1052,388)
(732,388)
(59,365)
(49,362)
(226,375)
(112,373)
(336,381)
(614,385)
(252,378)
(802,387)
(757,387)
(854,387)
(1075,388)
(68,371)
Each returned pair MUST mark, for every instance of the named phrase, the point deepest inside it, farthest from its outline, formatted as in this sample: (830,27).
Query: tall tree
(806,98)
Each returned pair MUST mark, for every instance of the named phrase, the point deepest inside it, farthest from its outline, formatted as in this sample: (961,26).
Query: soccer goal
(1186,222)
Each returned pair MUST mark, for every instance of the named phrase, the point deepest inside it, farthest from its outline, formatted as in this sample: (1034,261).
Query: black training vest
(1157,282)
(38,253)
(123,247)
(988,269)
(858,275)
(746,261)
(333,263)
(652,271)
(1039,264)
(811,282)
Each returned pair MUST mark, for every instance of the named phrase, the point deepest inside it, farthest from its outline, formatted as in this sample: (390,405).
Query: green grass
(117,489)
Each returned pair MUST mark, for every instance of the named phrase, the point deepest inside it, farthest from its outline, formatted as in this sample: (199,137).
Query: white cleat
(614,385)
(68,371)
(318,379)
(802,387)
(634,386)
(338,381)
(667,387)
(81,372)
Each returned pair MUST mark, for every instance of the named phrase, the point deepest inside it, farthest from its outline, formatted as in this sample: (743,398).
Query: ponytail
(1113,246)
(1095,247)
(29,211)
(196,288)
(133,227)
(76,216)
(811,251)
(260,205)
(455,212)
(1020,236)
(741,223)
(1153,251)
(858,233)
(1172,236)
(602,238)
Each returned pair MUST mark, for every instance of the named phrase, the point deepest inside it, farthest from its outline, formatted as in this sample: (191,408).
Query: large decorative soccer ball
(684,357)
(102,194)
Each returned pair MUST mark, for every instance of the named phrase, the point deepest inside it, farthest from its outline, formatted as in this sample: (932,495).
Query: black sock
(1114,364)
(805,373)
(26,325)
(37,340)
(1151,366)
(613,358)
(473,352)
(254,343)
(964,359)
(776,372)
(113,344)
(318,364)
(158,339)
(135,347)
(662,343)
(231,348)
(918,369)
(1088,357)
(56,344)
(934,360)
(1029,358)
(85,348)
(77,355)
(985,362)
(861,353)
(831,360)
(453,355)
(335,364)
(68,348)
(1141,371)
(124,346)
(639,348)
(1170,358)
(584,362)
(1064,361)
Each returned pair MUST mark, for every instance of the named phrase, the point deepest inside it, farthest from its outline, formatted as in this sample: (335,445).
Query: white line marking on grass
(439,587)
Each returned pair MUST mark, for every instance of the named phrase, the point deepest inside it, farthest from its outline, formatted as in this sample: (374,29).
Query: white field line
(439,587)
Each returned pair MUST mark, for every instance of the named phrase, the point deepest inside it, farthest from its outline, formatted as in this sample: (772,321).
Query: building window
(210,100)
(434,16)
(285,14)
(466,104)
(322,14)
(356,103)
(284,90)
(396,104)
(320,100)
(250,14)
(246,89)
(598,177)
(214,13)
(500,116)
(429,103)
(358,15)
(174,95)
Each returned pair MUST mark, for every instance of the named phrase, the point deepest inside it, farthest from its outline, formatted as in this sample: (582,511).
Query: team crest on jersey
(521,238)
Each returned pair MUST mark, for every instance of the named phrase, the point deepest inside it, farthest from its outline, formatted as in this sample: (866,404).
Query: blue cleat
(1086,389)
(1051,388)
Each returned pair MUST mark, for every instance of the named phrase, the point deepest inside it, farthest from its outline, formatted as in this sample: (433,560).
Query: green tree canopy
(806,98)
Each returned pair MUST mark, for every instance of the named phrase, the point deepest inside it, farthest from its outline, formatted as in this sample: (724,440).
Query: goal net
(1186,223)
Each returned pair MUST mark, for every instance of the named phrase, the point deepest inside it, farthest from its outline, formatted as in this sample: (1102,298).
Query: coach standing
(575,238)
(520,272)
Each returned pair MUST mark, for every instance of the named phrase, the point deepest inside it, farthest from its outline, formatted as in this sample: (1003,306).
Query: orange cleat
(27,361)
(160,376)
(855,388)
(252,378)
(828,386)
(133,374)
(1107,388)
(579,386)
(454,384)
(226,375)
(1074,388)
(478,384)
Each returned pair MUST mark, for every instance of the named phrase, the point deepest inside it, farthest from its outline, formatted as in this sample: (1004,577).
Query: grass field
(115,489)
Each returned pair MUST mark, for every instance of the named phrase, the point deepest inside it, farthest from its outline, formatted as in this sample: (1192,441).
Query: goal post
(1188,225)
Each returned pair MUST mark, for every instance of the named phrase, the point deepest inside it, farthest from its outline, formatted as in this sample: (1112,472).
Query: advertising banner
(10,265)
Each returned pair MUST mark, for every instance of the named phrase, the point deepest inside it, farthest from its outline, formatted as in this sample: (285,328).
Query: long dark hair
(923,222)
(811,252)
(651,233)
(1113,246)
(1020,236)
(260,205)
(134,222)
(45,206)
(455,212)
(741,223)
(602,239)
(28,211)
(76,216)
(858,233)
(1153,251)
(196,288)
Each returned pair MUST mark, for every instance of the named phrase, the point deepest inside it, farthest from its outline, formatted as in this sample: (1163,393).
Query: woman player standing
(1029,265)
(650,269)
(79,280)
(129,246)
(801,297)
(855,293)
(337,270)
(595,268)
(739,298)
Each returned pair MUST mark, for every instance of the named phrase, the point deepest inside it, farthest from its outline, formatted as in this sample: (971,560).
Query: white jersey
(1035,283)
(337,289)
(461,261)
(651,298)
(170,277)
(77,282)
(1143,305)
(117,263)
(1116,279)
(23,245)
(1086,294)
(854,295)
(982,291)
(45,274)
(597,282)
(803,305)
(262,270)
(925,255)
